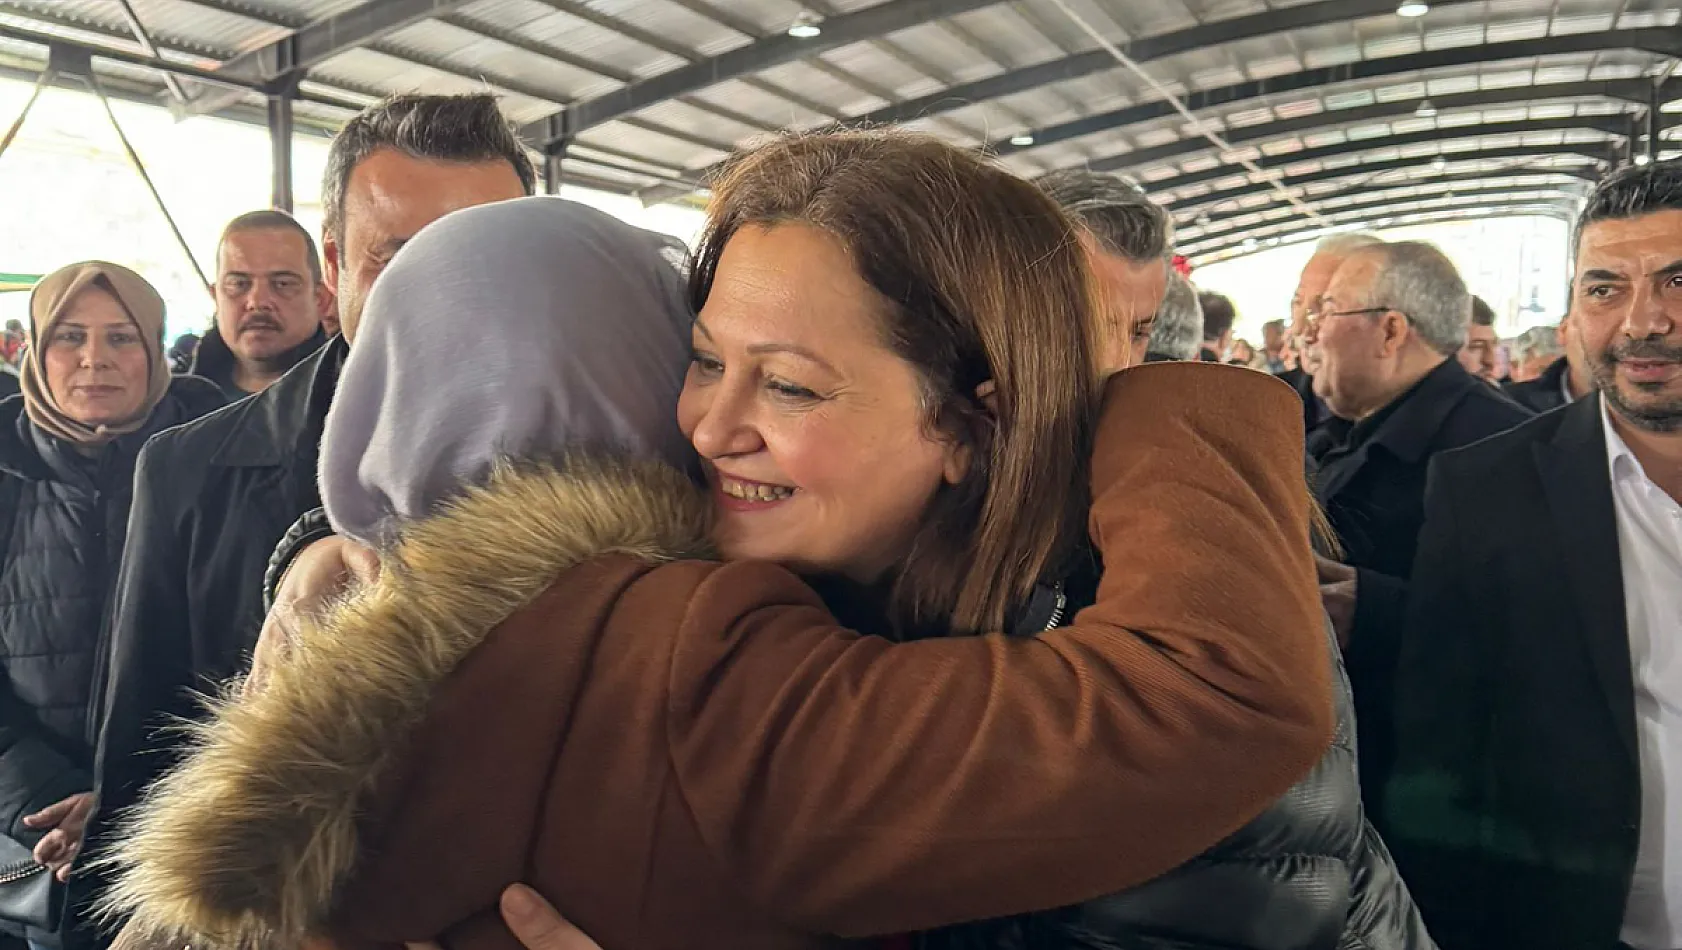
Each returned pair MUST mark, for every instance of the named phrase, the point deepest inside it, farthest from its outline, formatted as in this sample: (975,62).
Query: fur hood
(247,843)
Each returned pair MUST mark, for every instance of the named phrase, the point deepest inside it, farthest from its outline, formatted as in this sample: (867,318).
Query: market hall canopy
(1351,112)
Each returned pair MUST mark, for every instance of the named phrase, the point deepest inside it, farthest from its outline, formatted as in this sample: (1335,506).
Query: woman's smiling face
(812,431)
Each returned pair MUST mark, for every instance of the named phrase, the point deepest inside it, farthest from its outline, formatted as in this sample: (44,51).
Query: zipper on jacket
(1058,610)
(20,872)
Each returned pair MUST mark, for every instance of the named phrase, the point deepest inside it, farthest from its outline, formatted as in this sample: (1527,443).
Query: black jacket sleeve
(307,530)
(1433,803)
(149,669)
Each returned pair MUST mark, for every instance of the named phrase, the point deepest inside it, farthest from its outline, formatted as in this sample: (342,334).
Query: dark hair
(468,129)
(1483,315)
(1632,192)
(272,219)
(1218,315)
(1121,217)
(980,278)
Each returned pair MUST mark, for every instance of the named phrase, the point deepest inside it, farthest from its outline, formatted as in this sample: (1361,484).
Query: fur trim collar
(246,843)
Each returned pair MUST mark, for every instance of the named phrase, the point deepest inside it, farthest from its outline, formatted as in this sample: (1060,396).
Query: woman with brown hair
(538,681)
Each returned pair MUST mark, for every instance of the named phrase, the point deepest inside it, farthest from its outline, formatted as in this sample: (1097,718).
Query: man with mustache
(270,301)
(1538,709)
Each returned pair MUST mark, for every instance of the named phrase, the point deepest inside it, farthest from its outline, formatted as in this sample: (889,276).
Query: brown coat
(685,754)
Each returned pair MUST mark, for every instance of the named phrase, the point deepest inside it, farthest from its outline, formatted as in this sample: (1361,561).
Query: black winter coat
(211,500)
(1310,873)
(63,517)
(1546,392)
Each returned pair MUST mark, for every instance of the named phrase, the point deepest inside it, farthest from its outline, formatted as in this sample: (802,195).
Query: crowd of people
(889,569)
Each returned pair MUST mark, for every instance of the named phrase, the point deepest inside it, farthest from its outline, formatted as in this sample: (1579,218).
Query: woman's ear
(960,452)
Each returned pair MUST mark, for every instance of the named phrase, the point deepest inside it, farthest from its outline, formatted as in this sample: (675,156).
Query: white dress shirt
(1650,551)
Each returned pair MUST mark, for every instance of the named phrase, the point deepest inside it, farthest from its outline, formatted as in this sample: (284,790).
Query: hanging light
(805,26)
(1426,110)
(1413,9)
(1439,164)
(1022,139)
(1641,159)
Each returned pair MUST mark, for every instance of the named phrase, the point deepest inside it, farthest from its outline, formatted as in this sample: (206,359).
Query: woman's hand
(536,924)
(68,820)
(320,573)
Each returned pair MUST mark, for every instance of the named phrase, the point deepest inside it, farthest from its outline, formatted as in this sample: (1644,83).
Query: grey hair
(1632,192)
(1536,341)
(1123,219)
(1420,281)
(1343,245)
(1178,331)
(441,128)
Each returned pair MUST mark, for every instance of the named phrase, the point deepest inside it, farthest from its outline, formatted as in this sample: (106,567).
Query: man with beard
(1538,708)
(270,300)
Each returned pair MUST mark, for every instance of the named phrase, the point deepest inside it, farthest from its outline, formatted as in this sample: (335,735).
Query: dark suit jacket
(1372,484)
(211,498)
(1546,392)
(1516,794)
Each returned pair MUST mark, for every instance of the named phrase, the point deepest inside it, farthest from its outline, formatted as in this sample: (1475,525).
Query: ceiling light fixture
(1426,110)
(1439,164)
(805,26)
(1250,243)
(1202,220)
(1413,9)
(1642,159)
(1022,139)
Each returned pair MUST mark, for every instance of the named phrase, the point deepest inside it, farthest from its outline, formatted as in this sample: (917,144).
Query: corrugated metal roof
(987,73)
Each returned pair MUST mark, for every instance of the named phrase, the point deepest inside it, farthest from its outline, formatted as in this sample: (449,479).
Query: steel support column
(1655,122)
(280,150)
(553,162)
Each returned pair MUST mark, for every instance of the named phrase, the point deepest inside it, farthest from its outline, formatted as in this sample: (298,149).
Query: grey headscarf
(512,330)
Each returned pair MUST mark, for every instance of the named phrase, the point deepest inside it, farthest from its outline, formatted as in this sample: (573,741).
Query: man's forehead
(263,245)
(1642,245)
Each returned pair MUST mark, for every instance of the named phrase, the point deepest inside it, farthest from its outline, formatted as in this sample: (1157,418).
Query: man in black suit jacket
(1565,381)
(1538,773)
(1388,327)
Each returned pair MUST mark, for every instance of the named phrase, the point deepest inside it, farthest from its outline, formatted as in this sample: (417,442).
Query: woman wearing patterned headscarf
(95,385)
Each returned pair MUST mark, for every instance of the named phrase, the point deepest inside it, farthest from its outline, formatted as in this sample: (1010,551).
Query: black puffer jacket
(1310,873)
(62,522)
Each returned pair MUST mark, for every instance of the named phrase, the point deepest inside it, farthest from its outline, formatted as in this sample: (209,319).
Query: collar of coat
(283,423)
(246,844)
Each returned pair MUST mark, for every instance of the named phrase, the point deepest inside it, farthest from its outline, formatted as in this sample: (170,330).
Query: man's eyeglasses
(1315,316)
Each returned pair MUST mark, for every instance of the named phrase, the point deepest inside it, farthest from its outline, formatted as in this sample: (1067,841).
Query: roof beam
(323,39)
(759,55)
(1261,229)
(1143,50)
(1397,220)
(1594,152)
(1662,41)
(1632,91)
(1364,184)
(1607,125)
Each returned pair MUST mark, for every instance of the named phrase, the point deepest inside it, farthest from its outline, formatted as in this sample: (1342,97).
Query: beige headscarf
(47,304)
